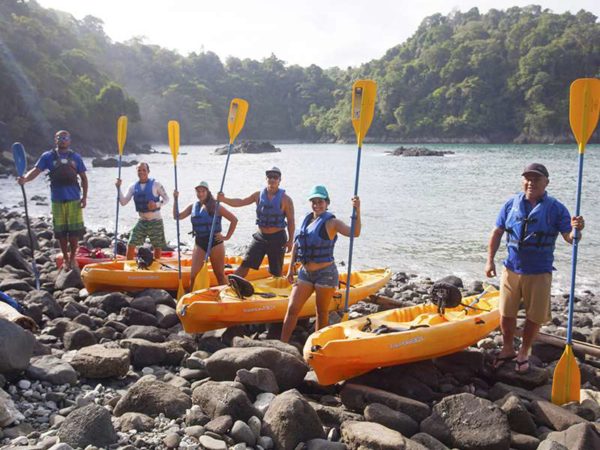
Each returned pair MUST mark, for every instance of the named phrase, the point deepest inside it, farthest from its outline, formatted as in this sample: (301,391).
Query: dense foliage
(495,77)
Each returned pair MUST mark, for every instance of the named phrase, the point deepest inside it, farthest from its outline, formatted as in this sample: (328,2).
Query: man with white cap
(532,220)
(274,213)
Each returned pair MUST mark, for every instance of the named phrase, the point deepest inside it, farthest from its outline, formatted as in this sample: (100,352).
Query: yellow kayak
(162,274)
(399,336)
(219,307)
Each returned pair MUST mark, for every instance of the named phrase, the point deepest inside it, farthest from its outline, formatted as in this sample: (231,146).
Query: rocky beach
(116,370)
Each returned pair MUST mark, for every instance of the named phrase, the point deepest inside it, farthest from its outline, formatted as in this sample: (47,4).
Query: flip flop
(520,364)
(499,361)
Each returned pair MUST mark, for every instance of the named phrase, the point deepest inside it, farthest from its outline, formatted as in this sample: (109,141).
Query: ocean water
(426,215)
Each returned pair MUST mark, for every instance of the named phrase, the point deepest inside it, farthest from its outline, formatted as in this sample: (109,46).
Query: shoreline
(103,365)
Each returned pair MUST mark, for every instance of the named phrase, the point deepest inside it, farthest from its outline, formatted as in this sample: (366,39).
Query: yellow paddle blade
(173,127)
(363,107)
(566,384)
(202,280)
(180,290)
(236,118)
(584,105)
(121,133)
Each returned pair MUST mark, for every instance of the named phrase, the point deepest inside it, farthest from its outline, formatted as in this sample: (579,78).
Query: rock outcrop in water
(111,162)
(249,147)
(418,151)
(89,377)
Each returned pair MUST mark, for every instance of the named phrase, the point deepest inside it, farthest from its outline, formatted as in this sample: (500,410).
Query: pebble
(24,384)
(210,443)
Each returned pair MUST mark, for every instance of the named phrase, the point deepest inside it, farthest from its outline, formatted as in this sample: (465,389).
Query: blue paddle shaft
(177,221)
(574,258)
(117,215)
(214,220)
(352,226)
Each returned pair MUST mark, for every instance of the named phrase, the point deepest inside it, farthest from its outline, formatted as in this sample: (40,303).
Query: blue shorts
(325,277)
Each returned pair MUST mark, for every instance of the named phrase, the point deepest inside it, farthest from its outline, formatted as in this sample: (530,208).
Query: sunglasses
(63,138)
(272,176)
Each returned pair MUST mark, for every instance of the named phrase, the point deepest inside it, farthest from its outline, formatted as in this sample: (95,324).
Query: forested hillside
(502,76)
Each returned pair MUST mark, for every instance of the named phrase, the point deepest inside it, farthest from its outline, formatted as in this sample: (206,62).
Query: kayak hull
(344,350)
(84,260)
(164,274)
(219,307)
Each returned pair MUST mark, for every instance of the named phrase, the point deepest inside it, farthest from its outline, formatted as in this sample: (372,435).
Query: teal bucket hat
(318,191)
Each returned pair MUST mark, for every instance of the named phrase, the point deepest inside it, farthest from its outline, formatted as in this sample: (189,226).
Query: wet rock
(68,279)
(289,370)
(89,425)
(519,419)
(220,399)
(50,368)
(428,441)
(553,416)
(356,397)
(97,361)
(257,380)
(249,147)
(291,420)
(149,333)
(16,347)
(111,162)
(582,436)
(135,421)
(395,420)
(110,303)
(153,398)
(8,411)
(418,151)
(469,423)
(367,435)
(82,337)
(166,316)
(11,256)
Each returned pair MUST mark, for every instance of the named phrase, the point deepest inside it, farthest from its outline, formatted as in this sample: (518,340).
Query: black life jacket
(64,172)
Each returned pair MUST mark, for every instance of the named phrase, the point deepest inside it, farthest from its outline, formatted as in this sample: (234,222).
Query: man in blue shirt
(532,220)
(65,169)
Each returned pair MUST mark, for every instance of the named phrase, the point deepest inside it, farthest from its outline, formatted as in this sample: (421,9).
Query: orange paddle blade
(236,118)
(121,133)
(566,384)
(173,127)
(180,290)
(584,106)
(363,107)
(202,280)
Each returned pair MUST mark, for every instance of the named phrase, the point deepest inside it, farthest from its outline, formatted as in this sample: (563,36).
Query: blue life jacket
(531,233)
(202,221)
(311,247)
(64,171)
(269,212)
(141,197)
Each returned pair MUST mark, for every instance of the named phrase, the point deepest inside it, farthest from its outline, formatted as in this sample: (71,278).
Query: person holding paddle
(149,196)
(313,248)
(274,212)
(532,220)
(65,170)
(201,214)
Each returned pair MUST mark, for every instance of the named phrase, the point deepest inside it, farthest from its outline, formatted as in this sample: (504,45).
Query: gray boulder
(145,303)
(68,279)
(145,353)
(258,380)
(582,436)
(469,423)
(356,397)
(153,398)
(17,347)
(166,316)
(45,301)
(146,332)
(132,316)
(8,411)
(76,339)
(554,416)
(97,361)
(370,435)
(50,368)
(89,425)
(289,370)
(11,256)
(267,343)
(428,441)
(395,420)
(223,399)
(110,303)
(290,420)
(519,418)
(135,421)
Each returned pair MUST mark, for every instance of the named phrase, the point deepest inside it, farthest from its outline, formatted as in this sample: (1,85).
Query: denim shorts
(325,277)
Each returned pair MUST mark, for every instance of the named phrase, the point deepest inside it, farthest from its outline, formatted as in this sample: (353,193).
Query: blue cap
(318,192)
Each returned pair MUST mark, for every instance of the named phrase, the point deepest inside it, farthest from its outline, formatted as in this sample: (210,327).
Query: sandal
(499,361)
(520,364)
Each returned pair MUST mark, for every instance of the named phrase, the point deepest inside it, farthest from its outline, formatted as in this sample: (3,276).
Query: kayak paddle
(363,109)
(173,127)
(583,117)
(121,137)
(20,159)
(235,122)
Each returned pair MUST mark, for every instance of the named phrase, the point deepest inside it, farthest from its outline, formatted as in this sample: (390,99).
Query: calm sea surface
(427,215)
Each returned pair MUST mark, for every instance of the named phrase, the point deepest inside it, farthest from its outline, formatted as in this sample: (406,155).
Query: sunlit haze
(324,32)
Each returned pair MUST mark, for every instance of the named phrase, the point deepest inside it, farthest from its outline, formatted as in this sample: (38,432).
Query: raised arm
(337,226)
(182,213)
(30,175)
(124,199)
(237,202)
(577,223)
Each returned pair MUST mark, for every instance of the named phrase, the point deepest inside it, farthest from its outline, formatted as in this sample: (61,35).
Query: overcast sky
(324,32)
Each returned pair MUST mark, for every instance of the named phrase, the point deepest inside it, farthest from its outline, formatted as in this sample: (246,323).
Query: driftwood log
(11,314)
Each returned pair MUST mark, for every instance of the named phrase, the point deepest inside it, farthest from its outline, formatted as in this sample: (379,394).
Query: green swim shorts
(67,219)
(151,229)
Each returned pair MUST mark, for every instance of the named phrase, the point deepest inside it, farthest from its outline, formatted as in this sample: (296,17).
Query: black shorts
(272,245)
(202,242)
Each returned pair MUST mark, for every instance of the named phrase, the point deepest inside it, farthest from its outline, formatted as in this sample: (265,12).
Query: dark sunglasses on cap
(274,176)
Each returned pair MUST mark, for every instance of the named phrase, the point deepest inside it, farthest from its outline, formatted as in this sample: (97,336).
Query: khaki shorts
(534,290)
